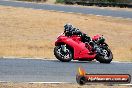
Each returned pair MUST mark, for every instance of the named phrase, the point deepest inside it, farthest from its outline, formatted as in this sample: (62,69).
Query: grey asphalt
(28,70)
(95,11)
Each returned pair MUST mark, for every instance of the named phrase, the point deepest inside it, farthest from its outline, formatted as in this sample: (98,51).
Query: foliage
(60,1)
(26,0)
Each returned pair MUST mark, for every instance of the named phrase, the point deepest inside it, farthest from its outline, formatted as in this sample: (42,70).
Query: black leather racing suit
(85,38)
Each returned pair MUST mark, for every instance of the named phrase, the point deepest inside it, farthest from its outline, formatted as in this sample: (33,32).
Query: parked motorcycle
(69,48)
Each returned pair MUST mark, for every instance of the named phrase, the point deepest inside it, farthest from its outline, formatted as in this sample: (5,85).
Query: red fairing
(79,48)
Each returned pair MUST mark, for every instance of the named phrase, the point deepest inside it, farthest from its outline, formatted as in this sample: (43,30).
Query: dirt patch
(31,33)
(26,85)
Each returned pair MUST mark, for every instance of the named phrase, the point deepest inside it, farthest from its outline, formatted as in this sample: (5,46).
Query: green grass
(59,1)
(25,0)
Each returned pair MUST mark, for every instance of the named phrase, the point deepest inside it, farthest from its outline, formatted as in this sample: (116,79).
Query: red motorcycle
(72,47)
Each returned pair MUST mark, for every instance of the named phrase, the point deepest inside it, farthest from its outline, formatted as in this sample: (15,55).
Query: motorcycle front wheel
(63,56)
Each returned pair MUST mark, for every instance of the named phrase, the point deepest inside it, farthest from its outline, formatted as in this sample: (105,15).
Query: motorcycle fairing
(80,51)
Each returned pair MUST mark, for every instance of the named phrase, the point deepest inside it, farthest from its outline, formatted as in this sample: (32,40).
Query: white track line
(121,62)
(125,84)
(46,59)
(50,82)
(63,83)
(35,58)
(37,82)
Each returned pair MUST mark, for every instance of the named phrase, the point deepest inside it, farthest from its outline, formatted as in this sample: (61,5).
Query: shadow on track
(76,61)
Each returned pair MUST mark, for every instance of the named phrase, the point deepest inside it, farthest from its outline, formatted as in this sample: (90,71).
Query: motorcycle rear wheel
(105,59)
(62,57)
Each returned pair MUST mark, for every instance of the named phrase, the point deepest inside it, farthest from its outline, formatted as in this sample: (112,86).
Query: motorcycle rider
(70,30)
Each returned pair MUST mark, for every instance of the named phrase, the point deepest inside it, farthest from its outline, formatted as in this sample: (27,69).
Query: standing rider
(70,30)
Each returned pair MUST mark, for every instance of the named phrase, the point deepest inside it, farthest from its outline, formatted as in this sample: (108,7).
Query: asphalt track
(73,9)
(32,70)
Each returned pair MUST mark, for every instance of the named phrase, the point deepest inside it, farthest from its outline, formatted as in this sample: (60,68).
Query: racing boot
(95,47)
